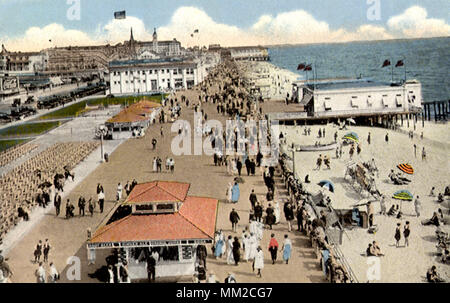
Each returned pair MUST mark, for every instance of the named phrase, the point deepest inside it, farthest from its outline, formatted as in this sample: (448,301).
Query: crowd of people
(29,184)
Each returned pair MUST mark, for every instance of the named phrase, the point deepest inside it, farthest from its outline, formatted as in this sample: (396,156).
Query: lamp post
(102,131)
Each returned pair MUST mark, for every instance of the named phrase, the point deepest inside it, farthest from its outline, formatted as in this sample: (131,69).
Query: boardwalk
(133,159)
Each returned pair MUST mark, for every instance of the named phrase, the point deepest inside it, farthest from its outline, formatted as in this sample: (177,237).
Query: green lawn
(5,144)
(77,108)
(28,129)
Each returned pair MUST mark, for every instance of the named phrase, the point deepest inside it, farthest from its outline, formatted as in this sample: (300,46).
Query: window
(168,71)
(143,81)
(126,81)
(126,72)
(327,105)
(150,72)
(164,207)
(175,72)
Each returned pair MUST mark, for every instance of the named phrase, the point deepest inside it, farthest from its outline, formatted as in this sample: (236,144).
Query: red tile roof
(148,227)
(201,212)
(195,220)
(159,191)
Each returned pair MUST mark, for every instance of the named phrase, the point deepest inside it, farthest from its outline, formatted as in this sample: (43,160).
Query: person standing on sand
(386,138)
(397,235)
(415,150)
(424,155)
(46,250)
(253,199)
(319,162)
(406,233)
(417,206)
(368,138)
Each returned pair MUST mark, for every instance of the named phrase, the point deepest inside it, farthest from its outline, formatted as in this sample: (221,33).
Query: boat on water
(317,147)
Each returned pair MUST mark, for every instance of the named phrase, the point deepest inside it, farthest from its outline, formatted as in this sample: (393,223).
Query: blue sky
(17,16)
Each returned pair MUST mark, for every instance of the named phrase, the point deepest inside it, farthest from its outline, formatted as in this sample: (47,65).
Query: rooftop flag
(386,63)
(196,31)
(120,15)
(308,67)
(301,66)
(399,63)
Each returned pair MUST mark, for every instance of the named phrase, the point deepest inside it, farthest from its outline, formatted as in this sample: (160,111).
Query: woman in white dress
(230,258)
(253,245)
(259,261)
(246,242)
(119,192)
(155,166)
(229,191)
(276,207)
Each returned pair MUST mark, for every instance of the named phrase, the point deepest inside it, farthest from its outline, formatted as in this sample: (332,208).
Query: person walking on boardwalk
(230,259)
(154,143)
(288,214)
(398,235)
(253,199)
(273,248)
(91,206)
(119,192)
(258,262)
(57,203)
(101,200)
(406,233)
(235,193)
(38,252)
(287,246)
(81,205)
(40,273)
(46,250)
(236,251)
(368,139)
(234,219)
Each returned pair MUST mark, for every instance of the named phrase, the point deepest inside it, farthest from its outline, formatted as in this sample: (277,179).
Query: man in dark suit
(234,219)
(57,203)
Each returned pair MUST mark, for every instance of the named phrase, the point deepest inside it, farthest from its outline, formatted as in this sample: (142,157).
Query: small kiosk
(164,222)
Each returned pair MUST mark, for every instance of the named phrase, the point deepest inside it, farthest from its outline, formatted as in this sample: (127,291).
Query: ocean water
(427,60)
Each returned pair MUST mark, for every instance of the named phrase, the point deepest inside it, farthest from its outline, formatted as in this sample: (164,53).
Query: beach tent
(406,168)
(352,136)
(403,195)
(327,184)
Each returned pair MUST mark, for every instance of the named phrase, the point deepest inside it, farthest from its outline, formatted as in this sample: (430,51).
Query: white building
(251,53)
(358,97)
(153,75)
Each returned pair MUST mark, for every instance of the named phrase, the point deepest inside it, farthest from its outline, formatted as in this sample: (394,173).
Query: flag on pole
(120,15)
(196,31)
(399,63)
(308,67)
(301,66)
(386,63)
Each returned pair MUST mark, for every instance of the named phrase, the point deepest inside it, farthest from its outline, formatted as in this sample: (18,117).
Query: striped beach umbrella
(352,136)
(406,168)
(403,195)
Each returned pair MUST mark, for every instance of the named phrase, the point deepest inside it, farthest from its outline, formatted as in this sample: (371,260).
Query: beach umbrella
(350,120)
(403,195)
(352,136)
(327,184)
(406,168)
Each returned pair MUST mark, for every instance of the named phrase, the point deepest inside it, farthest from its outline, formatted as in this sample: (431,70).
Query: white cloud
(414,22)
(284,28)
(36,38)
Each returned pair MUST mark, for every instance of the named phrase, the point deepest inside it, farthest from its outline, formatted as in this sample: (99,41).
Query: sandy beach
(404,264)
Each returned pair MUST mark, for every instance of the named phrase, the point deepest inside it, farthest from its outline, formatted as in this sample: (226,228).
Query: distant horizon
(266,45)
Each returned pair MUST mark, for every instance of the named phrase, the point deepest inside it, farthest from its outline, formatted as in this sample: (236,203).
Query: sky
(29,25)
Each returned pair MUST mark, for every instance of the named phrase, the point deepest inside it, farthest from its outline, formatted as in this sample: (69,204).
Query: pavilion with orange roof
(162,219)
